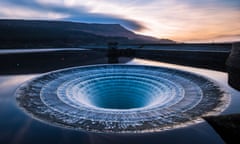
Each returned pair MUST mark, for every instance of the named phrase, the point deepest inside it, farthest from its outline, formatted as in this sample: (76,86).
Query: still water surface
(18,128)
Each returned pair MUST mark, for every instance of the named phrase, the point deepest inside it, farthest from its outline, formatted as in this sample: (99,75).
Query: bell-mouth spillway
(121,98)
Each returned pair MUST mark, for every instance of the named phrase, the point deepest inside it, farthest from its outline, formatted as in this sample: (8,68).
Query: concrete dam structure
(121,98)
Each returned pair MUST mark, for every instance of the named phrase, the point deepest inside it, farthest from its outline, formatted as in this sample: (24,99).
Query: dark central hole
(116,100)
(119,94)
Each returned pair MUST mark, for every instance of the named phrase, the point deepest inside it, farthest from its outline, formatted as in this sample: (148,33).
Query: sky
(179,20)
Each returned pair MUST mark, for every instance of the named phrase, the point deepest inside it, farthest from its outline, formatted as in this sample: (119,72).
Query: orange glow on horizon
(183,21)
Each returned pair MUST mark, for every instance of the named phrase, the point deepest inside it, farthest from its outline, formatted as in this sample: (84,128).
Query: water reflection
(17,128)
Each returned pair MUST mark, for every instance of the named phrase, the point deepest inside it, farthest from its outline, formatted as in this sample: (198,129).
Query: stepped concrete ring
(121,98)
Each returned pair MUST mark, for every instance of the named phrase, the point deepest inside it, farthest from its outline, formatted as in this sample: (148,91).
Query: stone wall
(233,66)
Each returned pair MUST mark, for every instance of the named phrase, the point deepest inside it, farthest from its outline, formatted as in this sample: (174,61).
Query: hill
(32,33)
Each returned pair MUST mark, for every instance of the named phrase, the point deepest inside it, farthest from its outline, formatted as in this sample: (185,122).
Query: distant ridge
(57,33)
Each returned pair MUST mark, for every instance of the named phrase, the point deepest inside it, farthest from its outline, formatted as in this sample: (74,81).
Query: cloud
(97,18)
(184,20)
(226,38)
(214,3)
(35,9)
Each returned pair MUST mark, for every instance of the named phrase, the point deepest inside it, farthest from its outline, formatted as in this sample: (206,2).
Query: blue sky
(185,20)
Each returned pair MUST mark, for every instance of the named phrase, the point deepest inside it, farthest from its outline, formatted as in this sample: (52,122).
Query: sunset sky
(180,20)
